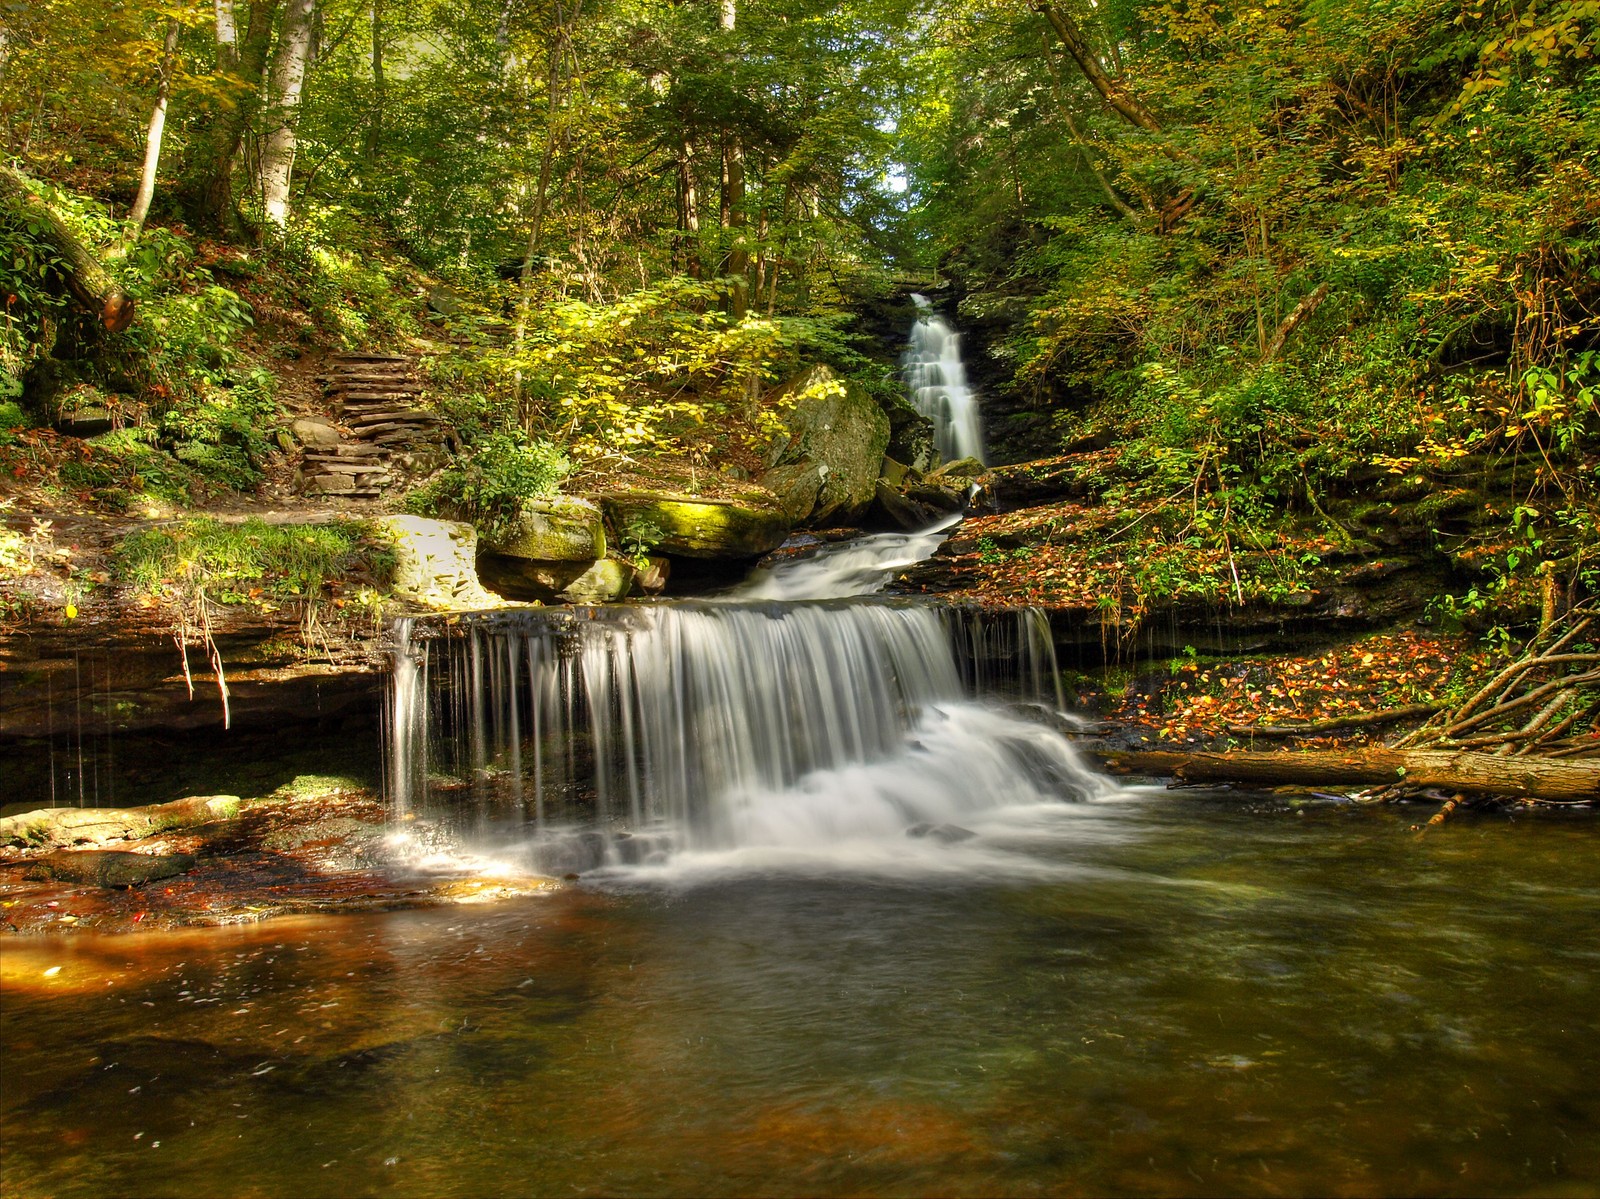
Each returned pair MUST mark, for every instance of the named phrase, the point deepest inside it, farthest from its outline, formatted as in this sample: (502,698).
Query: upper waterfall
(936,381)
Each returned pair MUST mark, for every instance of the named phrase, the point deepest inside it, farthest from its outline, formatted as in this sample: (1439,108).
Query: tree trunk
(379,85)
(227,36)
(86,279)
(737,265)
(288,79)
(1484,774)
(688,212)
(152,141)
(207,183)
(1124,105)
(1294,320)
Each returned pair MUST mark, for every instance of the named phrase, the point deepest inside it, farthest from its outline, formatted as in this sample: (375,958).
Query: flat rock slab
(110,867)
(88,826)
(325,854)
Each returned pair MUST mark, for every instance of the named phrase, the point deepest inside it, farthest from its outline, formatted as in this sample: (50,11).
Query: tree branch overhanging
(1124,104)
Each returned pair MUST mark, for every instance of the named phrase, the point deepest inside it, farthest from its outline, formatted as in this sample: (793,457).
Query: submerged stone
(111,867)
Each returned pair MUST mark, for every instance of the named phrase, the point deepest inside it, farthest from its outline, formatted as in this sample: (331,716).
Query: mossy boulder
(836,424)
(553,530)
(697,526)
(604,582)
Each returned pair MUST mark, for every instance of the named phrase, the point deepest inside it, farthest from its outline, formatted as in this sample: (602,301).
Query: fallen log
(1334,723)
(86,279)
(1482,774)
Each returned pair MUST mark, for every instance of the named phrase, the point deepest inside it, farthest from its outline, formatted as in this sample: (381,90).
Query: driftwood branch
(1334,723)
(1562,780)
(1544,703)
(89,282)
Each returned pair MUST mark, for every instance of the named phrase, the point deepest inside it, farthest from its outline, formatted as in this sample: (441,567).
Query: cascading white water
(936,380)
(785,719)
(859,567)
(710,727)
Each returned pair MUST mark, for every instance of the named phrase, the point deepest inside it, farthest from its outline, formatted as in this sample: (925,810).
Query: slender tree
(153,137)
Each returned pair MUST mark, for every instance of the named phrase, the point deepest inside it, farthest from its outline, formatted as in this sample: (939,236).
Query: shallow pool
(1167,994)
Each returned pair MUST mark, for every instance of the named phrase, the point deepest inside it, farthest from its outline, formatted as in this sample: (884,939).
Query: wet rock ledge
(314,846)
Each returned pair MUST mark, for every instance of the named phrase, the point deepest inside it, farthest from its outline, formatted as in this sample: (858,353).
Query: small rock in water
(948,833)
(921,829)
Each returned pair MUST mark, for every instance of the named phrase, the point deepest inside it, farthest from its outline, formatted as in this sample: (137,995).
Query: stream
(1180,996)
(846,915)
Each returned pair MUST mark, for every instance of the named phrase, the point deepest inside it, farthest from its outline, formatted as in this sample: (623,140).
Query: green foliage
(646,369)
(1362,238)
(12,418)
(488,482)
(329,263)
(28,294)
(235,563)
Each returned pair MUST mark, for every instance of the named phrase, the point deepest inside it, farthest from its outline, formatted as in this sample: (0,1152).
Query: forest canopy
(1270,247)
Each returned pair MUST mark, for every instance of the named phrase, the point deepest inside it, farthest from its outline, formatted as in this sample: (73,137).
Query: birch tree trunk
(227,36)
(152,141)
(288,80)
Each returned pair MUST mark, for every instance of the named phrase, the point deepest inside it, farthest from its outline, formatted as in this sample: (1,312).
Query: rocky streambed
(316,847)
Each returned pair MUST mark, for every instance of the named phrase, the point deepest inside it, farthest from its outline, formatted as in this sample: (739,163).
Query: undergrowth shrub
(490,478)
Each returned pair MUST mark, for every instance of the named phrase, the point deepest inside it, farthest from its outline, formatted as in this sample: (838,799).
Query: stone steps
(377,397)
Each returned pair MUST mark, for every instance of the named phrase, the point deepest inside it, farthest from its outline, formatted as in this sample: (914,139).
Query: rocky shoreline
(210,861)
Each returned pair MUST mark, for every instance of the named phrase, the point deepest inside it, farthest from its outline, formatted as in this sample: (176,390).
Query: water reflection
(1195,1000)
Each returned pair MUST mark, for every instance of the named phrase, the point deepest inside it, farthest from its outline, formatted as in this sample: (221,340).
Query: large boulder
(555,550)
(796,487)
(697,526)
(436,561)
(563,529)
(836,424)
(911,438)
(894,510)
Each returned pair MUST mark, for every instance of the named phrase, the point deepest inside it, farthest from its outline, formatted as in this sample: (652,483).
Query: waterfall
(937,383)
(711,726)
